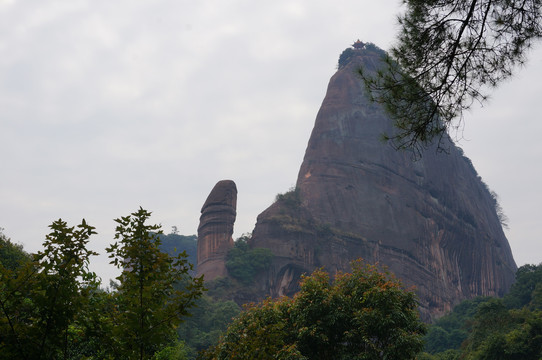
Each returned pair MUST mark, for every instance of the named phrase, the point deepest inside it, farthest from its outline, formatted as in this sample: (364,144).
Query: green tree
(498,333)
(451,354)
(177,351)
(360,315)
(210,318)
(12,256)
(260,332)
(449,54)
(345,57)
(244,263)
(150,305)
(174,244)
(489,328)
(524,290)
(40,300)
(91,333)
(452,329)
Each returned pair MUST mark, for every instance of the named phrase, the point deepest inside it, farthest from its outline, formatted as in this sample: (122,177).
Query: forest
(53,307)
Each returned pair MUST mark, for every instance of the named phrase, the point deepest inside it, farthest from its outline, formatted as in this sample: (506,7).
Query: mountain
(431,221)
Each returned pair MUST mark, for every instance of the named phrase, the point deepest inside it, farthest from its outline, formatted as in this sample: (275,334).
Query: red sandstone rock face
(215,230)
(432,222)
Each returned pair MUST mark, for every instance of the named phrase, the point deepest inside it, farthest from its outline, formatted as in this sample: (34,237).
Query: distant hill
(174,244)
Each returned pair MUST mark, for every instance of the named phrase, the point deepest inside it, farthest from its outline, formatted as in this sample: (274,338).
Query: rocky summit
(430,221)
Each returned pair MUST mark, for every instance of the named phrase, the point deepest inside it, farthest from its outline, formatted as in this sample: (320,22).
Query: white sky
(106,106)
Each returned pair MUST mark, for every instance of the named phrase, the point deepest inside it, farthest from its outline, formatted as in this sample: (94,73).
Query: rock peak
(360,49)
(431,222)
(215,230)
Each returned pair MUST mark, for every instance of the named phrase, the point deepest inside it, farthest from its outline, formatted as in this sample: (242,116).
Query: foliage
(244,263)
(209,319)
(260,332)
(41,300)
(527,289)
(173,244)
(489,328)
(149,306)
(449,54)
(92,333)
(51,305)
(291,198)
(349,53)
(498,333)
(12,256)
(450,354)
(361,315)
(177,351)
(345,57)
(375,49)
(503,219)
(450,331)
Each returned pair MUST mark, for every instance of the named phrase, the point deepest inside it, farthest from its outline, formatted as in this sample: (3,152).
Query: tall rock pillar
(216,229)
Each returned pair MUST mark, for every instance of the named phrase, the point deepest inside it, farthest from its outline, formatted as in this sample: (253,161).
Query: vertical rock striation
(215,230)
(432,222)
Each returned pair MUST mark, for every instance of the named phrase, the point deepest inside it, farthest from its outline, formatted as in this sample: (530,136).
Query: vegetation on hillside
(52,306)
(291,198)
(360,315)
(174,244)
(348,53)
(209,319)
(244,263)
(491,328)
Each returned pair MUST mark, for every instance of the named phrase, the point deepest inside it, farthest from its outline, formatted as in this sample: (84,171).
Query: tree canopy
(491,328)
(149,304)
(364,314)
(12,256)
(41,299)
(244,263)
(449,54)
(51,305)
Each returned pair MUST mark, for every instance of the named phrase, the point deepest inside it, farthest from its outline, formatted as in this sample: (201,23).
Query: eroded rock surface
(432,222)
(215,230)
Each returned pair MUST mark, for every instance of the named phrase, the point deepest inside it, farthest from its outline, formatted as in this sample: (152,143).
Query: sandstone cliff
(215,230)
(432,222)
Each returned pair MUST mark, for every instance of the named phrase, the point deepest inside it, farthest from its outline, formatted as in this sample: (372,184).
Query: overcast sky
(106,106)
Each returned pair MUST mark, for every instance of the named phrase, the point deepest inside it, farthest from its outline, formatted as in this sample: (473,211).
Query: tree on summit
(449,55)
